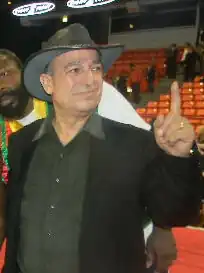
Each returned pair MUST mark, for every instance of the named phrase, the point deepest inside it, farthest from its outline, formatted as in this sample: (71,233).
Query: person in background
(151,76)
(17,109)
(202,36)
(121,85)
(189,64)
(185,51)
(134,81)
(199,60)
(171,61)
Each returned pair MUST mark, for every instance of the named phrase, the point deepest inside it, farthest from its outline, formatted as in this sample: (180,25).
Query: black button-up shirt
(52,204)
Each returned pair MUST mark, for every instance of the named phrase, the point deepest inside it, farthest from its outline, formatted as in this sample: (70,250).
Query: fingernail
(175,85)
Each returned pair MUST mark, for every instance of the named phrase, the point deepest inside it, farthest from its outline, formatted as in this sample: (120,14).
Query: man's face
(75,83)
(13,98)
(10,74)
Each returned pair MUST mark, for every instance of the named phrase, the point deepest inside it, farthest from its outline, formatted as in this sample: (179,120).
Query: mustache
(13,92)
(82,89)
(13,102)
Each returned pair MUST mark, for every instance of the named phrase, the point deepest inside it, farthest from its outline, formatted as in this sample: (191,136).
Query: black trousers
(189,74)
(151,86)
(136,92)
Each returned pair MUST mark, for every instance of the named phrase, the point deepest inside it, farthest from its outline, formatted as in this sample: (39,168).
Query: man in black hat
(18,109)
(73,205)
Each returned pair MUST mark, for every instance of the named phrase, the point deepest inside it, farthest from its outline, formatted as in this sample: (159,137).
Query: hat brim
(36,64)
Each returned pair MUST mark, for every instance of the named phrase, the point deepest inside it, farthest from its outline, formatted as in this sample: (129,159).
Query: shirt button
(57,180)
(52,206)
(49,234)
(61,156)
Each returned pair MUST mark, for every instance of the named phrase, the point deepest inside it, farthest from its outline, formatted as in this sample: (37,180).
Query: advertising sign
(79,4)
(33,9)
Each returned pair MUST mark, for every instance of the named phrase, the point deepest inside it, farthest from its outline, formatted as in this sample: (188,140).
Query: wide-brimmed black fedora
(73,37)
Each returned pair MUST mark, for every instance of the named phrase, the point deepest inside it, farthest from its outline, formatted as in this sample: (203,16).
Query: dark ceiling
(144,5)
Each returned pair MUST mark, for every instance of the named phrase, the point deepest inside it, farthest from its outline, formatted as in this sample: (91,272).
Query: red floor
(2,257)
(190,243)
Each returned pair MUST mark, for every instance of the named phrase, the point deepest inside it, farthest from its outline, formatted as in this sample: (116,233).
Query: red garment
(134,77)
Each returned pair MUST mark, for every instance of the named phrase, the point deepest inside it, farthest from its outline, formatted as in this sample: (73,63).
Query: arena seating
(192,104)
(140,58)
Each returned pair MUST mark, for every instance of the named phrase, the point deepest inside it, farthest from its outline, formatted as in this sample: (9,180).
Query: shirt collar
(94,126)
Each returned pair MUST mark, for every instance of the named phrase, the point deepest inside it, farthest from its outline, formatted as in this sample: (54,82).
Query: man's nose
(89,77)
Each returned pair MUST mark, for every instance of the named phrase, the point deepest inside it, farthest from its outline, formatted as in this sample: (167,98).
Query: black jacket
(127,174)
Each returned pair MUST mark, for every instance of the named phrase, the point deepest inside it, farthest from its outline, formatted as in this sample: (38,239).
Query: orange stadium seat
(148,120)
(188,104)
(152,112)
(187,97)
(198,91)
(187,84)
(198,84)
(152,104)
(141,111)
(200,113)
(164,104)
(165,97)
(195,121)
(199,104)
(199,97)
(186,91)
(189,112)
(163,111)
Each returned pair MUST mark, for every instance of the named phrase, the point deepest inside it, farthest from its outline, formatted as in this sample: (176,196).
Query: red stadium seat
(187,84)
(187,91)
(198,85)
(189,112)
(200,113)
(187,97)
(165,97)
(188,104)
(199,97)
(199,104)
(163,111)
(141,111)
(163,104)
(152,112)
(198,91)
(152,104)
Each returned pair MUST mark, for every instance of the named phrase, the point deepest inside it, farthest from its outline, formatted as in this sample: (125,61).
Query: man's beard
(13,102)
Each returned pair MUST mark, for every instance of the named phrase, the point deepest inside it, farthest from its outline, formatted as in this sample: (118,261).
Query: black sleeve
(171,188)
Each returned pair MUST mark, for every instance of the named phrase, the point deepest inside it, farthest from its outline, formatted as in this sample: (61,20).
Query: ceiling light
(65,19)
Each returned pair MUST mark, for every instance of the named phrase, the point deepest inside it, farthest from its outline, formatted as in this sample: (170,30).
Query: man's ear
(46,81)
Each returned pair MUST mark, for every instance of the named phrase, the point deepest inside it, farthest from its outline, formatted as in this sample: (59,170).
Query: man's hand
(173,133)
(161,249)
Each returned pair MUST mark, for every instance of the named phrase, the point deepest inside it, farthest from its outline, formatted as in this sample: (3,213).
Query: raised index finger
(175,99)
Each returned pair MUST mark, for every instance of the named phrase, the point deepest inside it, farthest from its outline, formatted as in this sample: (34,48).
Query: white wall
(155,38)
